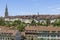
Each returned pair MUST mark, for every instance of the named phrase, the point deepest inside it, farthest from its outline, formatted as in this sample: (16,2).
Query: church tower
(6,11)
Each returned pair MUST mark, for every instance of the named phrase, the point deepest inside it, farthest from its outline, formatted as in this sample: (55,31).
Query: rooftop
(35,16)
(4,29)
(43,28)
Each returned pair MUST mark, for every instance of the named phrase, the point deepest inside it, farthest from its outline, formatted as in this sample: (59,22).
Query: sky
(30,7)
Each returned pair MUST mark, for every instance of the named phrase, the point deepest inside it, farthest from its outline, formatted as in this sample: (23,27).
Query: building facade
(42,33)
(8,34)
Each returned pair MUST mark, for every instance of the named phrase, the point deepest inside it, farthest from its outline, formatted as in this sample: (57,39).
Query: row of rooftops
(37,29)
(4,29)
(35,17)
(42,28)
(7,30)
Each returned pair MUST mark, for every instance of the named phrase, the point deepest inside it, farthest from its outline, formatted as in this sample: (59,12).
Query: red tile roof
(43,28)
(35,16)
(4,29)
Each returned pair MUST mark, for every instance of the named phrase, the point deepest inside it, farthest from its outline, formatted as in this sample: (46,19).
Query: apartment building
(8,34)
(42,33)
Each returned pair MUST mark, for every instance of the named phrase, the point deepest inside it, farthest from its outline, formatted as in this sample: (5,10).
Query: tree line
(17,24)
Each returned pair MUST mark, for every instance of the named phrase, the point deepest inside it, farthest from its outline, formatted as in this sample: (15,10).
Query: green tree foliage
(21,27)
(56,23)
(33,23)
(47,22)
(42,23)
(8,24)
(39,23)
(2,23)
(16,22)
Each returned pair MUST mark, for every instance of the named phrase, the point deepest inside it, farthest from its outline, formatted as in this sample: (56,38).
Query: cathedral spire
(6,11)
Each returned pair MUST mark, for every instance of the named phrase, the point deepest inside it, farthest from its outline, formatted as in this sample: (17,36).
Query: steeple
(6,11)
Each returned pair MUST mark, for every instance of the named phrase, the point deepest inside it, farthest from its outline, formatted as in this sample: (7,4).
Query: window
(58,35)
(53,35)
(45,31)
(27,30)
(53,31)
(58,31)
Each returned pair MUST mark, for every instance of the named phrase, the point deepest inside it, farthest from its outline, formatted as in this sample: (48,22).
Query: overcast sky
(29,7)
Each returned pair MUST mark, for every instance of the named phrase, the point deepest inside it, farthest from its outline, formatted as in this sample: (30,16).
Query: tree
(56,23)
(8,24)
(16,22)
(2,22)
(39,23)
(47,22)
(33,23)
(42,23)
(20,27)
